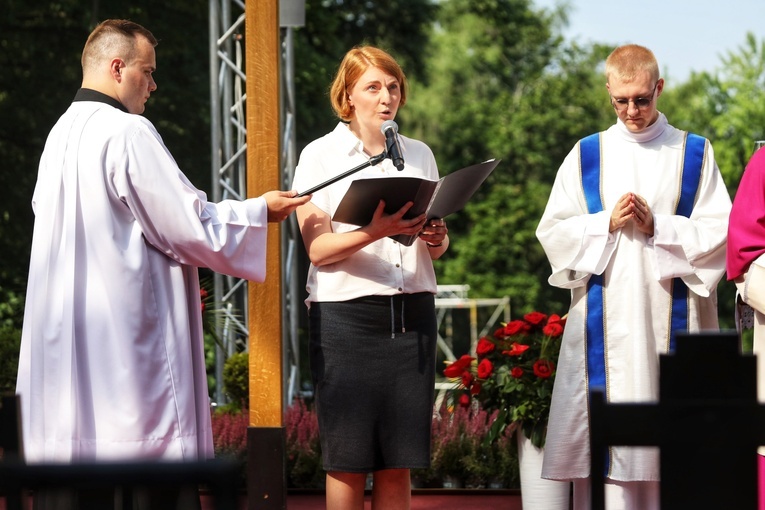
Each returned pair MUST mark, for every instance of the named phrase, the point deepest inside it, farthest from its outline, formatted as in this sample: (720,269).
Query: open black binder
(437,199)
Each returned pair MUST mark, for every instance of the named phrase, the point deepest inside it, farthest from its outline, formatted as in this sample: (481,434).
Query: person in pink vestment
(745,265)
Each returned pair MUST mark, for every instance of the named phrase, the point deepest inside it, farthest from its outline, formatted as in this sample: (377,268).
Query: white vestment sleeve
(694,248)
(577,243)
(228,237)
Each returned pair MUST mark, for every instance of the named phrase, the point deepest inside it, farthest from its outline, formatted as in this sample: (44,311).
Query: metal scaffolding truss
(455,297)
(291,239)
(229,152)
(229,181)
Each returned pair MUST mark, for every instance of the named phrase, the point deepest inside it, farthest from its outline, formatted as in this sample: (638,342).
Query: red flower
(517,349)
(557,318)
(484,347)
(544,368)
(456,368)
(485,368)
(513,371)
(203,295)
(535,318)
(553,329)
(517,327)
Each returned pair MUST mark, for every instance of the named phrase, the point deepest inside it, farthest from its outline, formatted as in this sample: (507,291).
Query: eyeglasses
(622,104)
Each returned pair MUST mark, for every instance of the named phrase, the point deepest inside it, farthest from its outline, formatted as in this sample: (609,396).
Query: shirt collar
(347,140)
(94,95)
(646,135)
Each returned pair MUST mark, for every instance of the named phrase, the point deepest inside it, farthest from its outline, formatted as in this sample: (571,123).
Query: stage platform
(422,499)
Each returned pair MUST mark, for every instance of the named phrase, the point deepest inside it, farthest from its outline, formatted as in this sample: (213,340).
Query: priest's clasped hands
(632,207)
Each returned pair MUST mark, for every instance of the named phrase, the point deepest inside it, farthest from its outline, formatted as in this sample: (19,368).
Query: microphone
(393,150)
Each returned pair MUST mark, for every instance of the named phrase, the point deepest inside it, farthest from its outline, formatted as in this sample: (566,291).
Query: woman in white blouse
(371,299)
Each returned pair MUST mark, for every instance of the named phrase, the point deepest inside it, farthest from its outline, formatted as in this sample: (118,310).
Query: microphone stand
(372,161)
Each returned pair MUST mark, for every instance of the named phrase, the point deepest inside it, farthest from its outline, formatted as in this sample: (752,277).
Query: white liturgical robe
(112,358)
(637,273)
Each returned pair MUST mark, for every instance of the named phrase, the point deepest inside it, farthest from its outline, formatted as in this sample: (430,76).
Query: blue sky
(685,35)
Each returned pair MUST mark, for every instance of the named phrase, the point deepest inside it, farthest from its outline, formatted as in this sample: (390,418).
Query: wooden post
(266,480)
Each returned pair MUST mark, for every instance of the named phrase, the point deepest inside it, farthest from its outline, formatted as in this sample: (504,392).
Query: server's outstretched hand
(281,204)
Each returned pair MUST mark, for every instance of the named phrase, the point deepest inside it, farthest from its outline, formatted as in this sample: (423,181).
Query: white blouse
(382,268)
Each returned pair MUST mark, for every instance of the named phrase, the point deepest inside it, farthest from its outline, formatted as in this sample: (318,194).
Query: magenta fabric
(746,230)
(761,482)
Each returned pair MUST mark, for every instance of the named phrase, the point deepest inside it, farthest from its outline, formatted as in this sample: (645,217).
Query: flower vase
(451,482)
(536,492)
(496,483)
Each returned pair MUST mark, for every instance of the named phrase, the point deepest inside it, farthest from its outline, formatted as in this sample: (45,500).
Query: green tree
(482,55)
(728,108)
(10,341)
(41,44)
(519,94)
(332,27)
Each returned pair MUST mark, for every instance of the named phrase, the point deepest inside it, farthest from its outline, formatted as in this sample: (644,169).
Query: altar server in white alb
(112,363)
(635,226)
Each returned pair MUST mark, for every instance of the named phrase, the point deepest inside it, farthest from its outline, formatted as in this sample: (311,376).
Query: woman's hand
(327,247)
(386,225)
(434,233)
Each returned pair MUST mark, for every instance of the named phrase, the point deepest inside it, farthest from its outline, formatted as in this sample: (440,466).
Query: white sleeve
(228,237)
(577,243)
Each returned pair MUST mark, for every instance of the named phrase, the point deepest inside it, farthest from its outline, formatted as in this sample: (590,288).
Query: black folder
(437,199)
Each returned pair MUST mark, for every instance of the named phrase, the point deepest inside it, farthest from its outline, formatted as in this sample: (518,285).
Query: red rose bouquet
(513,372)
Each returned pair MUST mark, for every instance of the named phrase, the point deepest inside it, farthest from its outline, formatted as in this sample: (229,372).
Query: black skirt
(373,368)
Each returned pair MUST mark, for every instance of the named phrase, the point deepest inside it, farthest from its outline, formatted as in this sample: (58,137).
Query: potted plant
(513,373)
(229,429)
(502,461)
(451,445)
(304,464)
(479,457)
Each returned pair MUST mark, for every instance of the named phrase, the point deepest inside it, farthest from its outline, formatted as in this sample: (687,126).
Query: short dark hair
(113,37)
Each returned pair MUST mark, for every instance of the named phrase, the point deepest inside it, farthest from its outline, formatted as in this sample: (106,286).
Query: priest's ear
(116,68)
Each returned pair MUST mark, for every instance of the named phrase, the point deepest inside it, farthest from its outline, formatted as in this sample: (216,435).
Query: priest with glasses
(635,227)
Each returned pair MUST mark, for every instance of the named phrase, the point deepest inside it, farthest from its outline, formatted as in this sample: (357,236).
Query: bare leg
(392,490)
(345,491)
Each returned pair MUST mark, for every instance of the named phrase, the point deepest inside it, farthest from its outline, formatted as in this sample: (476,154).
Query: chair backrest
(707,425)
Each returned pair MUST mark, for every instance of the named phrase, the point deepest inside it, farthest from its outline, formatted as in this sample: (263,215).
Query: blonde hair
(627,61)
(113,38)
(354,64)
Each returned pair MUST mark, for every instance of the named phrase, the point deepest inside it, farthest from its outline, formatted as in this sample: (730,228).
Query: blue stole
(590,165)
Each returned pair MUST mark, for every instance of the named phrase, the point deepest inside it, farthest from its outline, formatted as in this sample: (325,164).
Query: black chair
(11,451)
(10,428)
(707,425)
(96,486)
(93,486)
